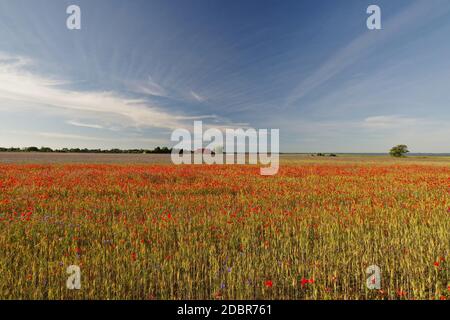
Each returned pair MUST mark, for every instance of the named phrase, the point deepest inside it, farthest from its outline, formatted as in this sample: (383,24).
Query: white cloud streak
(416,14)
(197,97)
(66,136)
(393,121)
(84,125)
(150,87)
(20,88)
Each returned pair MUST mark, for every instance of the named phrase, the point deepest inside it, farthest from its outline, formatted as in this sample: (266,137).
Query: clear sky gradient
(139,69)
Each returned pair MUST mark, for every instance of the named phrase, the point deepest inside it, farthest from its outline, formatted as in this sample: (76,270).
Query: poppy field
(161,231)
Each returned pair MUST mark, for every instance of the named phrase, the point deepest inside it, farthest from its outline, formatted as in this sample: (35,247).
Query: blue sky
(139,69)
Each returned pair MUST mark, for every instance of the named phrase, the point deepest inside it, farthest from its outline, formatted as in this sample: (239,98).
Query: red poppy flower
(306,281)
(269,283)
(401,293)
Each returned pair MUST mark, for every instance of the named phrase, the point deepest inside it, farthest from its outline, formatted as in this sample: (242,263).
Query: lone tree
(399,151)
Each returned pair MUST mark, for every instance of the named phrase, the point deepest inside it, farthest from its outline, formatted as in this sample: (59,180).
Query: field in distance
(39,157)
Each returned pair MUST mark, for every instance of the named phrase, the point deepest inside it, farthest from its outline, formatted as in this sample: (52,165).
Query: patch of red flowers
(304,282)
(401,293)
(268,283)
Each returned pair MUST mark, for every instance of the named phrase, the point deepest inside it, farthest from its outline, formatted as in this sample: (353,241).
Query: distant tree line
(85,150)
(324,155)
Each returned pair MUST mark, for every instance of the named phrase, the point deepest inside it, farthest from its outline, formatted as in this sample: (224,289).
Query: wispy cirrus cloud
(197,96)
(391,121)
(78,137)
(418,13)
(375,133)
(382,124)
(149,87)
(84,125)
(23,89)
